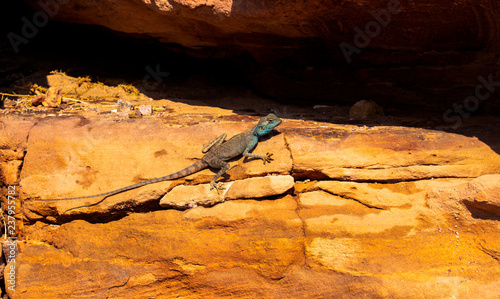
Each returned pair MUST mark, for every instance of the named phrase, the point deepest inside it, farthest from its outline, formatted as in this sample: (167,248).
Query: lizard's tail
(199,165)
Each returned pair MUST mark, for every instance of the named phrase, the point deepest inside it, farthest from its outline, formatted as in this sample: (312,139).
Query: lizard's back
(234,147)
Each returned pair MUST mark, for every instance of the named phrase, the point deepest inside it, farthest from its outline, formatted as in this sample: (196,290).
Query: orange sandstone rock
(388,212)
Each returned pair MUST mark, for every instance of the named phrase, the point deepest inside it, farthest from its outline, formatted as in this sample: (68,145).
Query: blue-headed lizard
(216,152)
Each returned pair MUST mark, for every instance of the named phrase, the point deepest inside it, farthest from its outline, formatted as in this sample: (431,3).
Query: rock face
(374,212)
(276,23)
(431,52)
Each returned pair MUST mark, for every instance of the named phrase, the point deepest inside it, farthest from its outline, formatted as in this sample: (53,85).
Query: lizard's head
(267,124)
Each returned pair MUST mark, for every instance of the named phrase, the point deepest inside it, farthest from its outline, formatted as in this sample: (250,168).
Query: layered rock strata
(342,211)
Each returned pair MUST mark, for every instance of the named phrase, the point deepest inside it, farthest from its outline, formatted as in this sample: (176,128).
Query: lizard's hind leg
(224,166)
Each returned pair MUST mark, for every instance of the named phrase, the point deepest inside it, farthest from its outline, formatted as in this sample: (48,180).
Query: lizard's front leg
(267,158)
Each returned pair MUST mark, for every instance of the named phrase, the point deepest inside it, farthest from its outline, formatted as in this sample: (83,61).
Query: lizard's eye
(261,128)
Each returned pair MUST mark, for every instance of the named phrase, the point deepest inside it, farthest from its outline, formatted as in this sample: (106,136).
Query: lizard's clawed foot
(217,186)
(267,158)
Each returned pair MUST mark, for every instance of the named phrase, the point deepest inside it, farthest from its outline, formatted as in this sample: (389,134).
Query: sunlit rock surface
(374,212)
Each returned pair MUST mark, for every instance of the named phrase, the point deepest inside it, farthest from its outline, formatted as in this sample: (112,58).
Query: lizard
(217,153)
